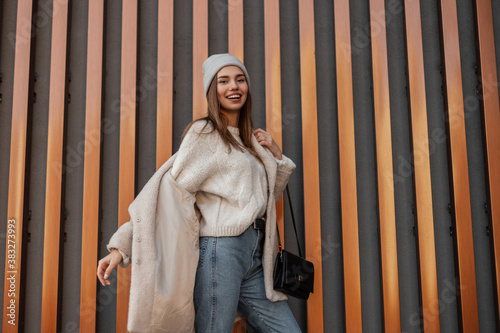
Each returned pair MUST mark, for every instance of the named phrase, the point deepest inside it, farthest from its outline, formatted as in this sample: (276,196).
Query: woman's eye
(222,81)
(241,80)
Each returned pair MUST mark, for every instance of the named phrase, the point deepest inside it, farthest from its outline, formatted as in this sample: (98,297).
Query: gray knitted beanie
(213,65)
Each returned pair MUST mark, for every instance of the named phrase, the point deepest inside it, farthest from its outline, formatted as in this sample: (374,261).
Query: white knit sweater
(230,186)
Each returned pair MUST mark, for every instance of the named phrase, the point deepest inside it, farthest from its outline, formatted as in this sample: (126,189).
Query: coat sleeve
(122,241)
(285,168)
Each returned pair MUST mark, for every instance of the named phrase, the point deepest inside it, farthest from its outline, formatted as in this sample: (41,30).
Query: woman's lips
(234,98)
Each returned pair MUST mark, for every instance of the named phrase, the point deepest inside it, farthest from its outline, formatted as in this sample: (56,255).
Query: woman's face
(232,88)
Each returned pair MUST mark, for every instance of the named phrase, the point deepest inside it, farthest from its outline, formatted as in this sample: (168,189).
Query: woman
(227,178)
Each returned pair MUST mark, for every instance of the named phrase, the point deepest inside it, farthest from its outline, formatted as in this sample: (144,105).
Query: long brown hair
(220,122)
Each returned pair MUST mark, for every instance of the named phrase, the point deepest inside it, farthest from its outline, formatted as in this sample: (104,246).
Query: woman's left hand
(266,140)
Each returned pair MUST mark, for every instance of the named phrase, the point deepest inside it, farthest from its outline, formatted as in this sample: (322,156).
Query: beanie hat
(213,65)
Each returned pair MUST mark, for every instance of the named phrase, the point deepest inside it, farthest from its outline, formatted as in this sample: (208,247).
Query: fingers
(266,140)
(263,137)
(110,268)
(261,133)
(101,271)
(106,266)
(259,130)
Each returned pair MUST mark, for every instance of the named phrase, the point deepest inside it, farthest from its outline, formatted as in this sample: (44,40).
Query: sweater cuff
(285,164)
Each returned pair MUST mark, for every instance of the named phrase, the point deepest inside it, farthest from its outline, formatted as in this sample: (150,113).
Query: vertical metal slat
(200,53)
(422,172)
(165,81)
(347,156)
(491,117)
(235,29)
(17,169)
(52,228)
(273,84)
(126,185)
(91,173)
(459,167)
(315,322)
(387,213)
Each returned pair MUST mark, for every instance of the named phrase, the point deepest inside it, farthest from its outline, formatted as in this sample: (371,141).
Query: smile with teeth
(234,96)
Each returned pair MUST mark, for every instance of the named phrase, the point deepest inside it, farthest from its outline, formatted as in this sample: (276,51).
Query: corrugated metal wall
(389,109)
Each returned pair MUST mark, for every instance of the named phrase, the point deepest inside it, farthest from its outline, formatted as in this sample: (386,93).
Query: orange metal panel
(50,284)
(273,84)
(15,209)
(387,215)
(459,167)
(91,176)
(200,53)
(491,115)
(422,172)
(127,145)
(311,161)
(347,155)
(165,81)
(240,326)
(235,28)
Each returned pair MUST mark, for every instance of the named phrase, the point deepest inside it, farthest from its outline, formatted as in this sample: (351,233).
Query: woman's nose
(233,84)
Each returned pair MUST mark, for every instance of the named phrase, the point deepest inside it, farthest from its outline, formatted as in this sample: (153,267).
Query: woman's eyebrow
(227,76)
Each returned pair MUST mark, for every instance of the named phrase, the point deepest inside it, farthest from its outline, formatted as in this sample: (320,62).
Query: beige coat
(161,241)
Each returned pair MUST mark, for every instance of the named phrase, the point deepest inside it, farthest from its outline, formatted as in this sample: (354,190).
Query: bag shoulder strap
(294,225)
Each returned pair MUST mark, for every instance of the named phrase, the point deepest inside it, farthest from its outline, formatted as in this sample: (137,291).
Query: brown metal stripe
(350,237)
(127,145)
(387,215)
(91,173)
(235,29)
(240,326)
(50,284)
(200,53)
(15,208)
(491,115)
(459,167)
(312,216)
(165,81)
(273,84)
(422,172)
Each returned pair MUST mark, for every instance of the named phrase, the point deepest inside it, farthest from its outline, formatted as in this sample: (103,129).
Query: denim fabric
(230,277)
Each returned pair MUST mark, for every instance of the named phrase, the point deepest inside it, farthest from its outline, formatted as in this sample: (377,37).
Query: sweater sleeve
(285,168)
(196,158)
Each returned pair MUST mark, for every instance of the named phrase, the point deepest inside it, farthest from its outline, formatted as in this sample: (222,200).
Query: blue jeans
(230,277)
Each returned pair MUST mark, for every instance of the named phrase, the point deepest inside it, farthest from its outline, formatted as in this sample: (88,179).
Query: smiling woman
(225,181)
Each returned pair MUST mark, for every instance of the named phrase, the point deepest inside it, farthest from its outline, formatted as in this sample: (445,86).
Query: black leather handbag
(293,275)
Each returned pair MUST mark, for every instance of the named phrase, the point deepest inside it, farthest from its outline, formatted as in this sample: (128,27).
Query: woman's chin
(233,109)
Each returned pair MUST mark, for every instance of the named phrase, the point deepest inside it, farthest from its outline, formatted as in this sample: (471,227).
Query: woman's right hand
(106,266)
